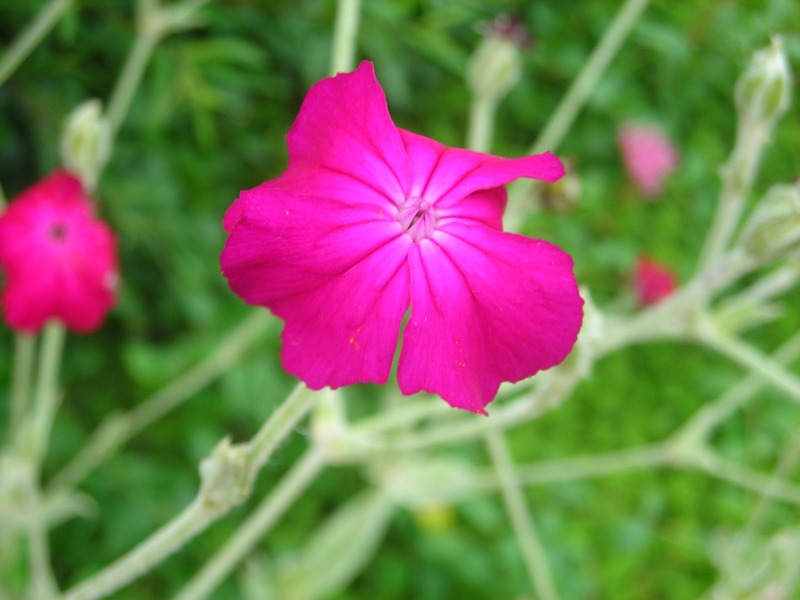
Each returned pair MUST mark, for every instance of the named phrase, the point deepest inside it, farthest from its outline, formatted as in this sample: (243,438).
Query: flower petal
(344,127)
(335,271)
(486,307)
(446,175)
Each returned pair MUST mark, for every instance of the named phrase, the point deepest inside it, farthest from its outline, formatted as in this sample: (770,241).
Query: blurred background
(209,120)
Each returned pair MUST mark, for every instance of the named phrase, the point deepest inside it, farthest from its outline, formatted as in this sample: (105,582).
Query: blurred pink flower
(648,156)
(58,260)
(370,219)
(653,281)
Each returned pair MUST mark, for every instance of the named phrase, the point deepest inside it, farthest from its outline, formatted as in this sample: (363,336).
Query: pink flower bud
(653,281)
(648,156)
(58,261)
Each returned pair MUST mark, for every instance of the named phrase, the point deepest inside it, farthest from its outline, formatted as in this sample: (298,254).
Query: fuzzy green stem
(275,430)
(586,81)
(787,463)
(481,123)
(528,539)
(703,422)
(132,72)
(750,358)
(34,446)
(31,36)
(592,467)
(345,31)
(46,396)
(737,178)
(574,100)
(766,485)
(42,582)
(24,353)
(227,476)
(547,396)
(257,525)
(116,430)
(194,519)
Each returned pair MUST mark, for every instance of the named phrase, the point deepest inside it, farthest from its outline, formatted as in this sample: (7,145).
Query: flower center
(417,217)
(58,232)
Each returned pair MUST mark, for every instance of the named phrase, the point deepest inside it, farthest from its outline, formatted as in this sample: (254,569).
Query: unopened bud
(86,142)
(762,92)
(496,65)
(774,226)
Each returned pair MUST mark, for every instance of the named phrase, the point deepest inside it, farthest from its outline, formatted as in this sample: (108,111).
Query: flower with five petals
(370,220)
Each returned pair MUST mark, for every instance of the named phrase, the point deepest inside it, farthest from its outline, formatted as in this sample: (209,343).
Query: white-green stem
(750,358)
(591,467)
(481,123)
(533,551)
(46,396)
(591,73)
(31,36)
(41,581)
(24,358)
(345,31)
(547,396)
(128,81)
(33,447)
(116,430)
(574,100)
(737,178)
(257,525)
(227,484)
(704,421)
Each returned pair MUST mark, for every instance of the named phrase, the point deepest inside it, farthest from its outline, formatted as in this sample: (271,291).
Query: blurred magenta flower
(653,281)
(369,219)
(648,156)
(58,260)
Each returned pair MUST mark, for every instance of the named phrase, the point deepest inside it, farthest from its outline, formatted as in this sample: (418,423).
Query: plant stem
(703,422)
(533,551)
(747,356)
(128,81)
(33,447)
(275,430)
(227,476)
(481,123)
(31,36)
(574,100)
(766,485)
(737,178)
(257,525)
(547,396)
(345,31)
(42,583)
(586,81)
(194,518)
(24,353)
(46,396)
(591,467)
(116,430)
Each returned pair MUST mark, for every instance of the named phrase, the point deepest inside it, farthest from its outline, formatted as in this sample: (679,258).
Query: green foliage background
(209,120)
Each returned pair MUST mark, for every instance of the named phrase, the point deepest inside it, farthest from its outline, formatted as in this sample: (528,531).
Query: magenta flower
(370,219)
(58,260)
(648,156)
(653,281)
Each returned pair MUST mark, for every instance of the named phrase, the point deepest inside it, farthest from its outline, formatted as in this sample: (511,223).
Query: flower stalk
(31,36)
(345,33)
(227,475)
(22,378)
(522,522)
(255,527)
(117,429)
